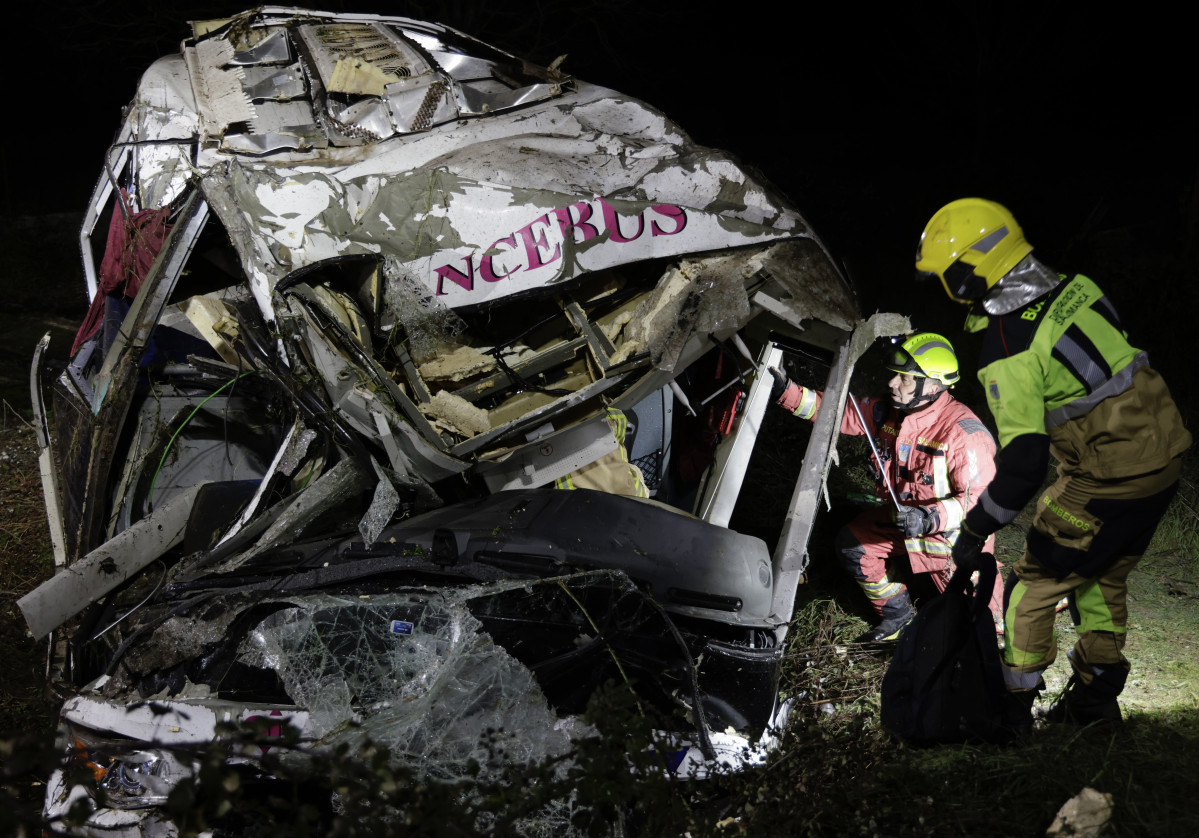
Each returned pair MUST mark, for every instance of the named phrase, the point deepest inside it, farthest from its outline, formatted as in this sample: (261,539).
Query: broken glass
(413,672)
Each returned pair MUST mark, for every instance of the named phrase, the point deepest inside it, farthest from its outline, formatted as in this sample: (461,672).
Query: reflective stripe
(954,513)
(1001,514)
(619,423)
(1114,386)
(932,344)
(920,544)
(973,426)
(883,589)
(1013,656)
(639,487)
(564,482)
(1103,306)
(806,408)
(1078,353)
(953,510)
(987,242)
(941,476)
(1021,680)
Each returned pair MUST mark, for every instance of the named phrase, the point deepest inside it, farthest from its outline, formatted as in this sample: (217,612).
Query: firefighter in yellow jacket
(1060,377)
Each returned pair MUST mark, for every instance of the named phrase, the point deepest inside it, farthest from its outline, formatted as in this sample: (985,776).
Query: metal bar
(113,391)
(882,467)
(732,457)
(790,558)
(601,348)
(45,457)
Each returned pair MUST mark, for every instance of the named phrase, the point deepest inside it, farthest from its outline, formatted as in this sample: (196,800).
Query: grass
(839,773)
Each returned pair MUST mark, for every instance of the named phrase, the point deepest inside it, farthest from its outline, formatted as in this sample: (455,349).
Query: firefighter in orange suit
(939,458)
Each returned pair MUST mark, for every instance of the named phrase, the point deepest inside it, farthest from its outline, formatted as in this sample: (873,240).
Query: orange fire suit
(940,457)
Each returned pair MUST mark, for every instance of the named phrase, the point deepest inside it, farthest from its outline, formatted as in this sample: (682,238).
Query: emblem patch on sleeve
(993,390)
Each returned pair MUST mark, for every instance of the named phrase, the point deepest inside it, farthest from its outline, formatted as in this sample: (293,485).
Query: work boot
(1081,705)
(1017,712)
(898,611)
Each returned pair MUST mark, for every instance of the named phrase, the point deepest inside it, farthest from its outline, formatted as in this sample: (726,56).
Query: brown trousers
(1087,536)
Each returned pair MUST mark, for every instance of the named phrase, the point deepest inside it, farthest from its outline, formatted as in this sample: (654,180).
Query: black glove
(966,550)
(915,520)
(781,383)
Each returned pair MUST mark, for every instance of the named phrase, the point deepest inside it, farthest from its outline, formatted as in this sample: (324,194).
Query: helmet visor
(900,361)
(963,283)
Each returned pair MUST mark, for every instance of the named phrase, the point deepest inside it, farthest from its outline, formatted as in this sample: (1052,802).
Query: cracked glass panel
(413,672)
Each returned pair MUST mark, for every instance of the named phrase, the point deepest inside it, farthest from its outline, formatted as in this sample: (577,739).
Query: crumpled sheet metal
(698,295)
(708,296)
(361,408)
(164,110)
(494,216)
(537,146)
(220,98)
(344,480)
(816,291)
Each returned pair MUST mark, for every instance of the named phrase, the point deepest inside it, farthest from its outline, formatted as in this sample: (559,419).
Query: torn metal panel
(63,595)
(220,99)
(383,507)
(549,455)
(287,459)
(696,297)
(278,84)
(269,46)
(159,149)
(326,492)
(441,227)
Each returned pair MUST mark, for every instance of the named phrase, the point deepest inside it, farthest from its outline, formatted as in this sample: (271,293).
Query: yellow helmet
(970,244)
(926,355)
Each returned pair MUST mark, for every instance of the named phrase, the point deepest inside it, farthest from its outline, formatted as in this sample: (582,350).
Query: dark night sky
(868,118)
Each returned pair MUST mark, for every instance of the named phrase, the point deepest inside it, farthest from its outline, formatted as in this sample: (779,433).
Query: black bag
(945,681)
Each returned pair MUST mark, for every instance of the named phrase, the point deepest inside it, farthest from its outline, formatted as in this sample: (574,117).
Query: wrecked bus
(417,390)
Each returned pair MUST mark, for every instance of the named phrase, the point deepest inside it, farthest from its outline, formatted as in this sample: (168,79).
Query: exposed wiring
(611,651)
(179,430)
(118,620)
